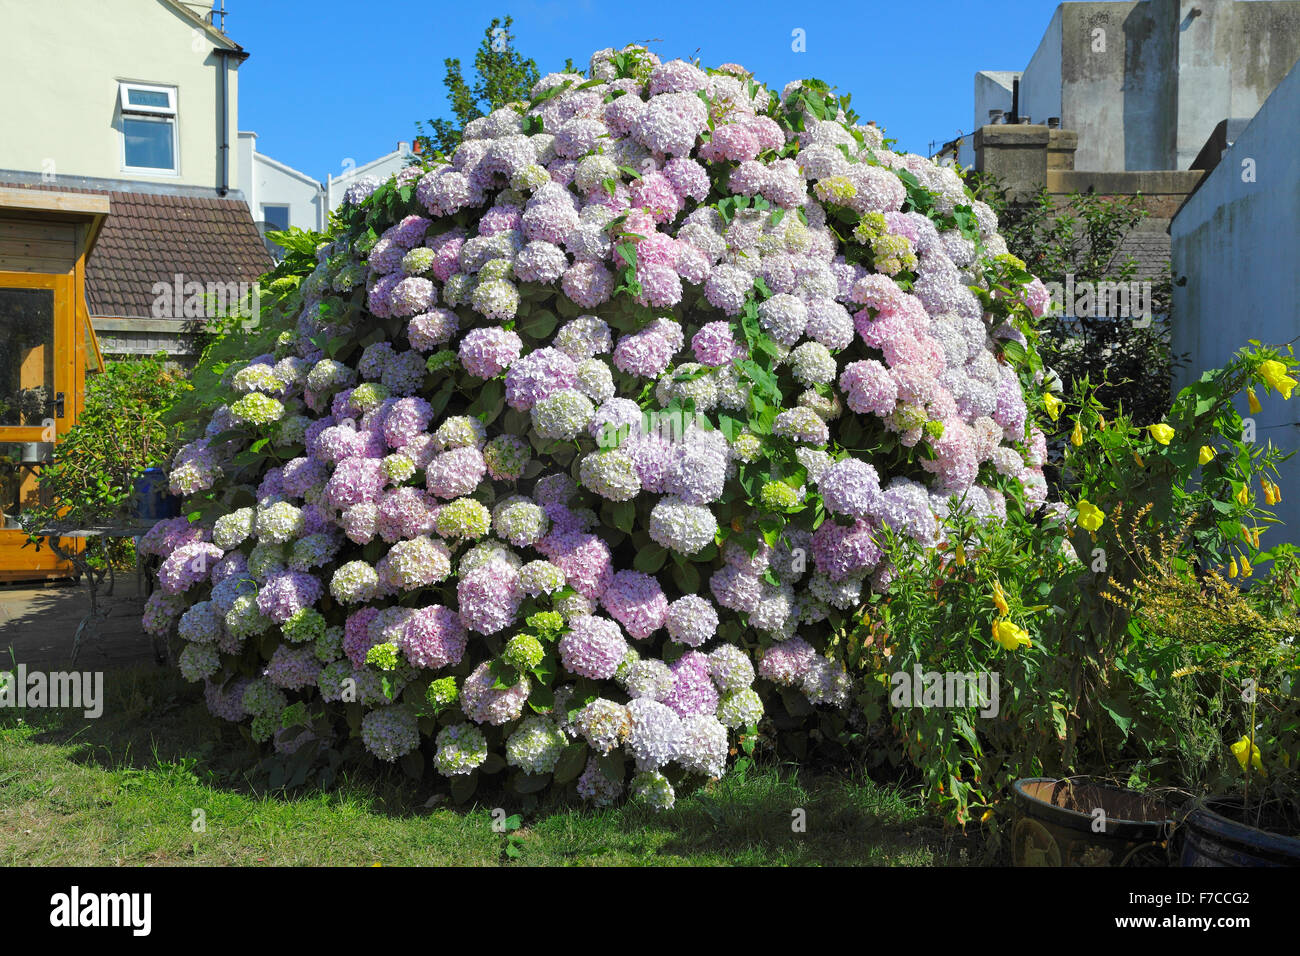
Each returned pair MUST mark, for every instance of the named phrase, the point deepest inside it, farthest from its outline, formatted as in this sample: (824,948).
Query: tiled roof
(149,238)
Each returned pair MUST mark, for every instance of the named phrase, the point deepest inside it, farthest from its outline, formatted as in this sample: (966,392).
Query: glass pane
(148,142)
(19,466)
(148,98)
(26,356)
(276,217)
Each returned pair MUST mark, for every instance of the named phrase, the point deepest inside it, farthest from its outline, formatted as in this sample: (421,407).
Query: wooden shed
(46,345)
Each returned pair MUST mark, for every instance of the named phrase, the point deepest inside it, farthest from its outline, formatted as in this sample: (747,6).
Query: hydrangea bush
(572,453)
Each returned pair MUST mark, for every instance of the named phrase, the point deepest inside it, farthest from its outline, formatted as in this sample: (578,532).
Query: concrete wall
(1237,243)
(1040,84)
(62,62)
(1145,83)
(1230,57)
(1115,70)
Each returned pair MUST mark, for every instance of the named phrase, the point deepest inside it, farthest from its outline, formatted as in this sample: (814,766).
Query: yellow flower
(1206,456)
(1090,516)
(1076,436)
(1244,750)
(1161,433)
(1246,569)
(1053,405)
(1253,401)
(1101,422)
(1272,493)
(1010,636)
(1274,373)
(1243,496)
(1000,599)
(1232,568)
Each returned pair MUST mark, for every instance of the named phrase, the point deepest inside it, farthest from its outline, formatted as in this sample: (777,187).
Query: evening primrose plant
(1200,469)
(972,614)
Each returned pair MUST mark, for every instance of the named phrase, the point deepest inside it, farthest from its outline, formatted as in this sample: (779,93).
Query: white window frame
(168,114)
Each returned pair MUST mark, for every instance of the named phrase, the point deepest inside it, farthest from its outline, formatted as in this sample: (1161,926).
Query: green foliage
(1129,362)
(1140,652)
(1150,486)
(123,429)
(935,625)
(501,76)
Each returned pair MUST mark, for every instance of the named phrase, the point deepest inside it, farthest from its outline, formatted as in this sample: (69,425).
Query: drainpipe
(225,55)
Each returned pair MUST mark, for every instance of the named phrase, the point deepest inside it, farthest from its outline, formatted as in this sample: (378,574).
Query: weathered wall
(1237,244)
(1145,83)
(1040,84)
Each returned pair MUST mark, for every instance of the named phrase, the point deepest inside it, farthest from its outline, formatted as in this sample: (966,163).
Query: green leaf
(490,401)
(612,766)
(624,515)
(571,762)
(530,782)
(413,764)
(686,577)
(463,787)
(541,324)
(651,559)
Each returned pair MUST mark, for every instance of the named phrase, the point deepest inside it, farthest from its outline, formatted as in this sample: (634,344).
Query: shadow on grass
(156,732)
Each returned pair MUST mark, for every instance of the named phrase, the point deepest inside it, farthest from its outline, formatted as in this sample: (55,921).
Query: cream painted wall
(62,63)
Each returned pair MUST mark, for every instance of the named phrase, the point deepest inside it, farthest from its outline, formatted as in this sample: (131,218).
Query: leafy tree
(122,430)
(1131,363)
(501,75)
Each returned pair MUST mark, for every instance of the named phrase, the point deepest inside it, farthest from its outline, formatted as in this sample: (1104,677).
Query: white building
(1145,83)
(381,169)
(281,196)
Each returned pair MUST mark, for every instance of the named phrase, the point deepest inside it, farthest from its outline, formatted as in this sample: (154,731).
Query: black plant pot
(1078,822)
(1212,834)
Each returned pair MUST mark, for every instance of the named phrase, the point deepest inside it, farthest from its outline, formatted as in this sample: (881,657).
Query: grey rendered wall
(1040,84)
(1237,243)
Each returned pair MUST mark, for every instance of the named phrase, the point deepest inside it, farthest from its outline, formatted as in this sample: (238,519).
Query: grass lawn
(123,790)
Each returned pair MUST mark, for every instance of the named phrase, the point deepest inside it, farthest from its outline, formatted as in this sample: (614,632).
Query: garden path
(37,625)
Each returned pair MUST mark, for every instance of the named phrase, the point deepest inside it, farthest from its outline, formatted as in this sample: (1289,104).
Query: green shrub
(120,432)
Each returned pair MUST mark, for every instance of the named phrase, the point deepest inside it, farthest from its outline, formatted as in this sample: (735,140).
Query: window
(275,217)
(148,128)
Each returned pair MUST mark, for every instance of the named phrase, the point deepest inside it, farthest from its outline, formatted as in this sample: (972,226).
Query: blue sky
(331,80)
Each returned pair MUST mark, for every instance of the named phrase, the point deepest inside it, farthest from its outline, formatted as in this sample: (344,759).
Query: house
(281,196)
(143,111)
(1127,99)
(122,223)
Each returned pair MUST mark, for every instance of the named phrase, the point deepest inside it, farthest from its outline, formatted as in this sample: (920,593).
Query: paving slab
(38,625)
